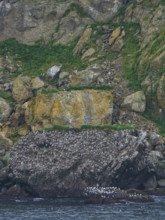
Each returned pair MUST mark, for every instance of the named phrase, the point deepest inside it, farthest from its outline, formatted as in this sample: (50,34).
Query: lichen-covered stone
(135,102)
(22,89)
(115,34)
(73,108)
(89,53)
(5,110)
(87,76)
(85,37)
(76,108)
(37,83)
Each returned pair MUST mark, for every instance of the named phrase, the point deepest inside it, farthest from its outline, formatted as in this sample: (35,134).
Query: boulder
(5,110)
(88,53)
(22,89)
(135,102)
(73,108)
(53,71)
(86,77)
(37,83)
(64,163)
(85,37)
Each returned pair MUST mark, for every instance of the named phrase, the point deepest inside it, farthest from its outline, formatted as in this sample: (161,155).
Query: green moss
(57,127)
(116,127)
(95,87)
(109,127)
(9,98)
(75,7)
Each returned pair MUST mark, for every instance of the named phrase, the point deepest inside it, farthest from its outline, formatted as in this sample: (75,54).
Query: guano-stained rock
(65,163)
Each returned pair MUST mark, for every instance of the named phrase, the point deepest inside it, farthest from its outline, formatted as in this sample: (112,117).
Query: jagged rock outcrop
(64,163)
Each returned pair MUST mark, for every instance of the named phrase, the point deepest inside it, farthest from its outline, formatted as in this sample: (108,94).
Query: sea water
(69,209)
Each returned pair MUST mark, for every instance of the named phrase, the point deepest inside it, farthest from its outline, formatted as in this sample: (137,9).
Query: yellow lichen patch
(73,108)
(42,106)
(38,108)
(82,107)
(115,35)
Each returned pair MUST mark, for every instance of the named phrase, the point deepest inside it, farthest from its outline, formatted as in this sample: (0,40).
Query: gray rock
(5,110)
(53,71)
(135,102)
(155,157)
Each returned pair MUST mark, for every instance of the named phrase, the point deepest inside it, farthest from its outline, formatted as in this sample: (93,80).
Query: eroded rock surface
(64,163)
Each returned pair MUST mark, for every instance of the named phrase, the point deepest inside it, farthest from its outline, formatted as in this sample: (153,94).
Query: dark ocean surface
(68,209)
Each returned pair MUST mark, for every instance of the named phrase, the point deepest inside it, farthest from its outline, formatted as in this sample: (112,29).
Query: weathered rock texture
(135,102)
(73,108)
(4,110)
(5,145)
(28,21)
(22,89)
(64,163)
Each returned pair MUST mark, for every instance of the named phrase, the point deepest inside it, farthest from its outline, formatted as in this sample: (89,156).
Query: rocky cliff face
(82,62)
(28,21)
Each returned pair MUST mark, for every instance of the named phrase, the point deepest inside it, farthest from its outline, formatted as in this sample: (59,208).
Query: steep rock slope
(83,62)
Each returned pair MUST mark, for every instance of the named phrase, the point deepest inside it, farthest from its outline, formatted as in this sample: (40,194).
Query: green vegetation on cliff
(95,87)
(75,7)
(116,127)
(39,57)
